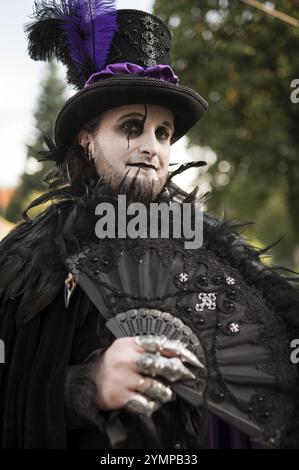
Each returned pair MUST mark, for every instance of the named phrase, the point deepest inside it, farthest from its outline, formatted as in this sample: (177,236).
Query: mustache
(146,161)
(142,165)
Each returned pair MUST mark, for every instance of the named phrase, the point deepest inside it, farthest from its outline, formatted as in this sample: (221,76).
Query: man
(68,382)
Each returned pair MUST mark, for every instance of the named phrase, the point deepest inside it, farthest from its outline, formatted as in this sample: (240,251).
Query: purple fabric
(160,71)
(224,436)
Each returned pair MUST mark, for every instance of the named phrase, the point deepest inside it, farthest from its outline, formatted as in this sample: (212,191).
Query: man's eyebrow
(165,123)
(130,115)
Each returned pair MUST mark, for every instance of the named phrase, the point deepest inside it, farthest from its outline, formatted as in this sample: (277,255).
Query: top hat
(115,58)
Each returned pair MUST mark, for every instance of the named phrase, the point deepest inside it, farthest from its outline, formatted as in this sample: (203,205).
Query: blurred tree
(243,62)
(31,181)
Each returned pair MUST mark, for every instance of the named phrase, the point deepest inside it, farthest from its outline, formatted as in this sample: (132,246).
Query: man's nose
(148,144)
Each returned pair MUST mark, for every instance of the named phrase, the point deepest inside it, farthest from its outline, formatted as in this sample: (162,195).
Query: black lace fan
(156,286)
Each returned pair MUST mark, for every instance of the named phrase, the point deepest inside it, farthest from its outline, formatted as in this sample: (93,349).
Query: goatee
(136,189)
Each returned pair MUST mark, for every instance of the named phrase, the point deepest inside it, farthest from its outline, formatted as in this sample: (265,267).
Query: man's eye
(162,133)
(132,127)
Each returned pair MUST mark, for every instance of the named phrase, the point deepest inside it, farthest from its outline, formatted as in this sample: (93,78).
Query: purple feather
(89,27)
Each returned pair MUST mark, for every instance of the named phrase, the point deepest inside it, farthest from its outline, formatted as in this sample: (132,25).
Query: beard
(136,189)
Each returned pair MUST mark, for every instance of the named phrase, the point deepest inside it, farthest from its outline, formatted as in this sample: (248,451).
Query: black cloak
(43,338)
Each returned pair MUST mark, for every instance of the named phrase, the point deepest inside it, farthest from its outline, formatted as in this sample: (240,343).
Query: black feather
(45,36)
(186,166)
(77,76)
(30,266)
(55,153)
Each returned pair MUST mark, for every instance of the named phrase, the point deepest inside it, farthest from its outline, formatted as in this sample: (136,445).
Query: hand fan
(156,286)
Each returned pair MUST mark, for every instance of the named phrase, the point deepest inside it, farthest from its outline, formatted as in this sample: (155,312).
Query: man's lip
(142,165)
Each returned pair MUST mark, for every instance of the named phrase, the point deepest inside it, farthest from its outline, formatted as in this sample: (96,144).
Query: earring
(89,155)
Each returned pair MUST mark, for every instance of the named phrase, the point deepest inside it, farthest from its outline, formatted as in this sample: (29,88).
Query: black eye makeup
(163,133)
(134,128)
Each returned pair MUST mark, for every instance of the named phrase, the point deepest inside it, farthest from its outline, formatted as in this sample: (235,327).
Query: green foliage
(31,181)
(243,61)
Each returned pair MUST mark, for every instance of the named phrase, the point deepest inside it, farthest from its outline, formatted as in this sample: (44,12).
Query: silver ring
(154,389)
(171,369)
(139,404)
(170,348)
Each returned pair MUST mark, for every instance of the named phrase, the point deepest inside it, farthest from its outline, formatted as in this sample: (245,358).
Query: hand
(124,368)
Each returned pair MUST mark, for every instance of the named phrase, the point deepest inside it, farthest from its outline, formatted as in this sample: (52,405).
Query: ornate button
(181,280)
(233,328)
(207,300)
(183,277)
(230,280)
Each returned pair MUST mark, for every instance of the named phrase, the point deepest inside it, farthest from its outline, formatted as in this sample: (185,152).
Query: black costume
(51,341)
(242,324)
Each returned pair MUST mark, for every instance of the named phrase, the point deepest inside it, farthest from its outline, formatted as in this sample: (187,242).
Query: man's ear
(84,140)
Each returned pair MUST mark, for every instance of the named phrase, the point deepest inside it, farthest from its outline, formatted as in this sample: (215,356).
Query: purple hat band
(160,72)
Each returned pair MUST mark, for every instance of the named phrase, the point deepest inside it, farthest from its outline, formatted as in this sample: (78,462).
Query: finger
(175,347)
(154,389)
(171,369)
(168,347)
(140,404)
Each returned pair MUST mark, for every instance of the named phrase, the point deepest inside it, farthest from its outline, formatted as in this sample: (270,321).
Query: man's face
(131,149)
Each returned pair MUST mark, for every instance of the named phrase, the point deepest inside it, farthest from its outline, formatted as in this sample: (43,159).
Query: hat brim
(186,105)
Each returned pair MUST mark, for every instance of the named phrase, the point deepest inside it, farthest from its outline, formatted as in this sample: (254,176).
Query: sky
(20,78)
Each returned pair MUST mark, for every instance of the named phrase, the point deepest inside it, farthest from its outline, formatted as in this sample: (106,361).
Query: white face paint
(132,142)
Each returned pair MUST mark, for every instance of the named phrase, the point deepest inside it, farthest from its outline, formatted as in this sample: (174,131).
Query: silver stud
(233,328)
(183,277)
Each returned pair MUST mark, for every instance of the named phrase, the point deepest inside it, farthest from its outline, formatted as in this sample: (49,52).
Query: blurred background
(241,56)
